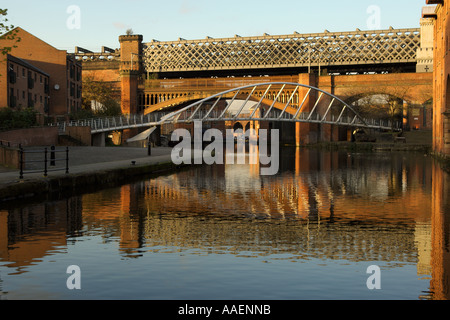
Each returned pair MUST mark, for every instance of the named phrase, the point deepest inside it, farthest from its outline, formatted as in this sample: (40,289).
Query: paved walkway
(89,159)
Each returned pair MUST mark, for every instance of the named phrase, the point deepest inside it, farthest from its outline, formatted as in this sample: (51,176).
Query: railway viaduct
(153,76)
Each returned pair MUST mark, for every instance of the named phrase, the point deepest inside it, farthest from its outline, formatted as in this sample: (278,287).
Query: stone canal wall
(80,183)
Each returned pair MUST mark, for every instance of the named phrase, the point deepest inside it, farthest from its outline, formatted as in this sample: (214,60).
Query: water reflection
(330,206)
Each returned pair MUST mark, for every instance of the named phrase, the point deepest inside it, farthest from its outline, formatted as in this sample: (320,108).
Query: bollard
(21,161)
(52,156)
(45,162)
(67,160)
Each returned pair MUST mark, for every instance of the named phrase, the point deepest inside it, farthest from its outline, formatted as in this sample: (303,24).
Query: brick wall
(82,134)
(9,157)
(441,79)
(46,136)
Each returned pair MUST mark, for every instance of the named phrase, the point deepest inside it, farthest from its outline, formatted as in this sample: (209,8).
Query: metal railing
(113,123)
(48,160)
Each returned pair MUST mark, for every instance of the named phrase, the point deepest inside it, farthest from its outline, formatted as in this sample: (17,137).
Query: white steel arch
(326,107)
(274,101)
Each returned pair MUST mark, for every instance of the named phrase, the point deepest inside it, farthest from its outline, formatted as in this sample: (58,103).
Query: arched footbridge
(290,102)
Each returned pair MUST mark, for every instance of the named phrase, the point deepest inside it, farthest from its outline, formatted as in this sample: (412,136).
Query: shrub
(12,119)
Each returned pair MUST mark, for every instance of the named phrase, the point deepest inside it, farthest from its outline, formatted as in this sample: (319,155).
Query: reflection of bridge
(321,212)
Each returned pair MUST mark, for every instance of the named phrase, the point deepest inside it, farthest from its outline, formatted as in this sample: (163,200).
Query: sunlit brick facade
(441,90)
(26,86)
(61,94)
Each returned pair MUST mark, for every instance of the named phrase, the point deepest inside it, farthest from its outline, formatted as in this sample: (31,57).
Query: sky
(93,24)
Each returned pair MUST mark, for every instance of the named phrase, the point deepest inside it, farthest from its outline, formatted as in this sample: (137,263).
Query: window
(30,100)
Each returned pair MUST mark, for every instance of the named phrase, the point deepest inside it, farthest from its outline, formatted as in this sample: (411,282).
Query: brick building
(441,89)
(27,86)
(34,59)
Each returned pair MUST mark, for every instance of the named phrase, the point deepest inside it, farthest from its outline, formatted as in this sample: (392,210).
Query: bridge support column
(98,140)
(129,84)
(128,134)
(306,133)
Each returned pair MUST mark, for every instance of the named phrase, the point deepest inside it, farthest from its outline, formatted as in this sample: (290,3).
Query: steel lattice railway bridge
(363,48)
(375,50)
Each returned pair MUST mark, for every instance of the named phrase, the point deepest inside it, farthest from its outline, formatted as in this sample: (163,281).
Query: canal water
(313,231)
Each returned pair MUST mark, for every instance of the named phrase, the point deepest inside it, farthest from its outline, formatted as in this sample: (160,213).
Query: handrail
(48,161)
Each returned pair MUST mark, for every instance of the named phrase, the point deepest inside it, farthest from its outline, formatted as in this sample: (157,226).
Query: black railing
(48,162)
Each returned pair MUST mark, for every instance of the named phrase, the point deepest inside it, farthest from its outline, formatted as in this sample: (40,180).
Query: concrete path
(88,159)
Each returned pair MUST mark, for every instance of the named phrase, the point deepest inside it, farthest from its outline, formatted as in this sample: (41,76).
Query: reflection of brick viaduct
(379,62)
(141,215)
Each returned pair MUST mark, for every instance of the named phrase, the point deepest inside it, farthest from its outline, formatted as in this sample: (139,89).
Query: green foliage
(104,94)
(5,32)
(11,119)
(110,108)
(82,114)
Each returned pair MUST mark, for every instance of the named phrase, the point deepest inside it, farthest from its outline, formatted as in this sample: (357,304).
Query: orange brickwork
(64,72)
(441,90)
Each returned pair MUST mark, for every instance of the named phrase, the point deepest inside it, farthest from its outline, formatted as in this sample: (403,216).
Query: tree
(103,95)
(382,102)
(7,32)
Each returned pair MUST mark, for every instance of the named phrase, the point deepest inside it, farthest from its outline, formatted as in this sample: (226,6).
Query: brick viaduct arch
(415,89)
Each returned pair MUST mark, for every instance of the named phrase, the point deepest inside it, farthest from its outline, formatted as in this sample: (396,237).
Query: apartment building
(27,86)
(61,86)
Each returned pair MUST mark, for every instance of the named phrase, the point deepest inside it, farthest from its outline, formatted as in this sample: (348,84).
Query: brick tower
(130,70)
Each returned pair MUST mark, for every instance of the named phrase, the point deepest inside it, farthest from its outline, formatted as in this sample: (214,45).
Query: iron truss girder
(285,51)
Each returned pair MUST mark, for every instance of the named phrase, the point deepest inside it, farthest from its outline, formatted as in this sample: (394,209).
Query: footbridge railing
(276,101)
(108,124)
